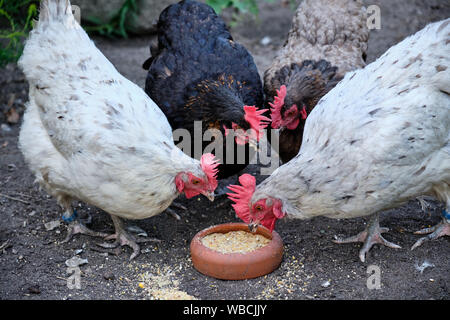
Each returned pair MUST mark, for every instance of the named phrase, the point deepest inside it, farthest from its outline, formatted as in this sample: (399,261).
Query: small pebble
(34,289)
(51,225)
(265,41)
(5,127)
(109,275)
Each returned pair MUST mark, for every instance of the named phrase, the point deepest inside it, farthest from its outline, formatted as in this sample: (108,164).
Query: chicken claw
(439,230)
(75,227)
(123,238)
(370,236)
(172,213)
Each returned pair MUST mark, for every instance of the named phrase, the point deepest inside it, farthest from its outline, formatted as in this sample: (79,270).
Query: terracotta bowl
(236,266)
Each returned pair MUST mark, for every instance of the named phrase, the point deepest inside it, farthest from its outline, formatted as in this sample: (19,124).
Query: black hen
(198,73)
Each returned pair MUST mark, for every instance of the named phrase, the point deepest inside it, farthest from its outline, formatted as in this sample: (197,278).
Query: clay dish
(236,266)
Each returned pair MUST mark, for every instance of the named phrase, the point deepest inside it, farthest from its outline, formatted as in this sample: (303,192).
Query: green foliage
(16,18)
(241,6)
(116,26)
(15,22)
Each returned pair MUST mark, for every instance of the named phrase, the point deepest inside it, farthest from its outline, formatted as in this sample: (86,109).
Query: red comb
(275,110)
(257,121)
(243,194)
(209,166)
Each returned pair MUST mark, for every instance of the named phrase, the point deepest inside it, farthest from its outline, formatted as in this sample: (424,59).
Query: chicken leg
(123,238)
(439,230)
(370,236)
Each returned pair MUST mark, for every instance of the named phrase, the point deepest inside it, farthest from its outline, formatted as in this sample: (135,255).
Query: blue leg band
(446,215)
(72,217)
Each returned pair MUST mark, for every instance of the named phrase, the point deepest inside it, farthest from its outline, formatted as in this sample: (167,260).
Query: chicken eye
(195,181)
(259,208)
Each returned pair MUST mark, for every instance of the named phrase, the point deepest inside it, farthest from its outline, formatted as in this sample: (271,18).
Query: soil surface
(32,258)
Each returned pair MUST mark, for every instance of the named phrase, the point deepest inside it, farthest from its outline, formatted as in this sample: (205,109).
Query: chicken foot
(123,238)
(76,227)
(439,230)
(370,236)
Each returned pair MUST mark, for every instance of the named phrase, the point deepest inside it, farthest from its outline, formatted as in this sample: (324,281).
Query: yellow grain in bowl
(234,241)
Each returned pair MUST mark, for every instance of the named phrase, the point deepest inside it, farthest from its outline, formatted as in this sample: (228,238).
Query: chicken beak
(209,195)
(252,226)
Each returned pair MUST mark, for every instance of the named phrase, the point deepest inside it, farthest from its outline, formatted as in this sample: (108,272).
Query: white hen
(378,139)
(90,134)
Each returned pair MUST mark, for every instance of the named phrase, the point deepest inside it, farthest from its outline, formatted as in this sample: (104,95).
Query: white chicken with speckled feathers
(90,134)
(378,139)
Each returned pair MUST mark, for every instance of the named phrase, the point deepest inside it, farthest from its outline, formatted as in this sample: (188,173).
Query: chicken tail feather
(55,10)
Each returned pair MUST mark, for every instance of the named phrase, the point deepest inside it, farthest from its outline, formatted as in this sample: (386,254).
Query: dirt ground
(32,259)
